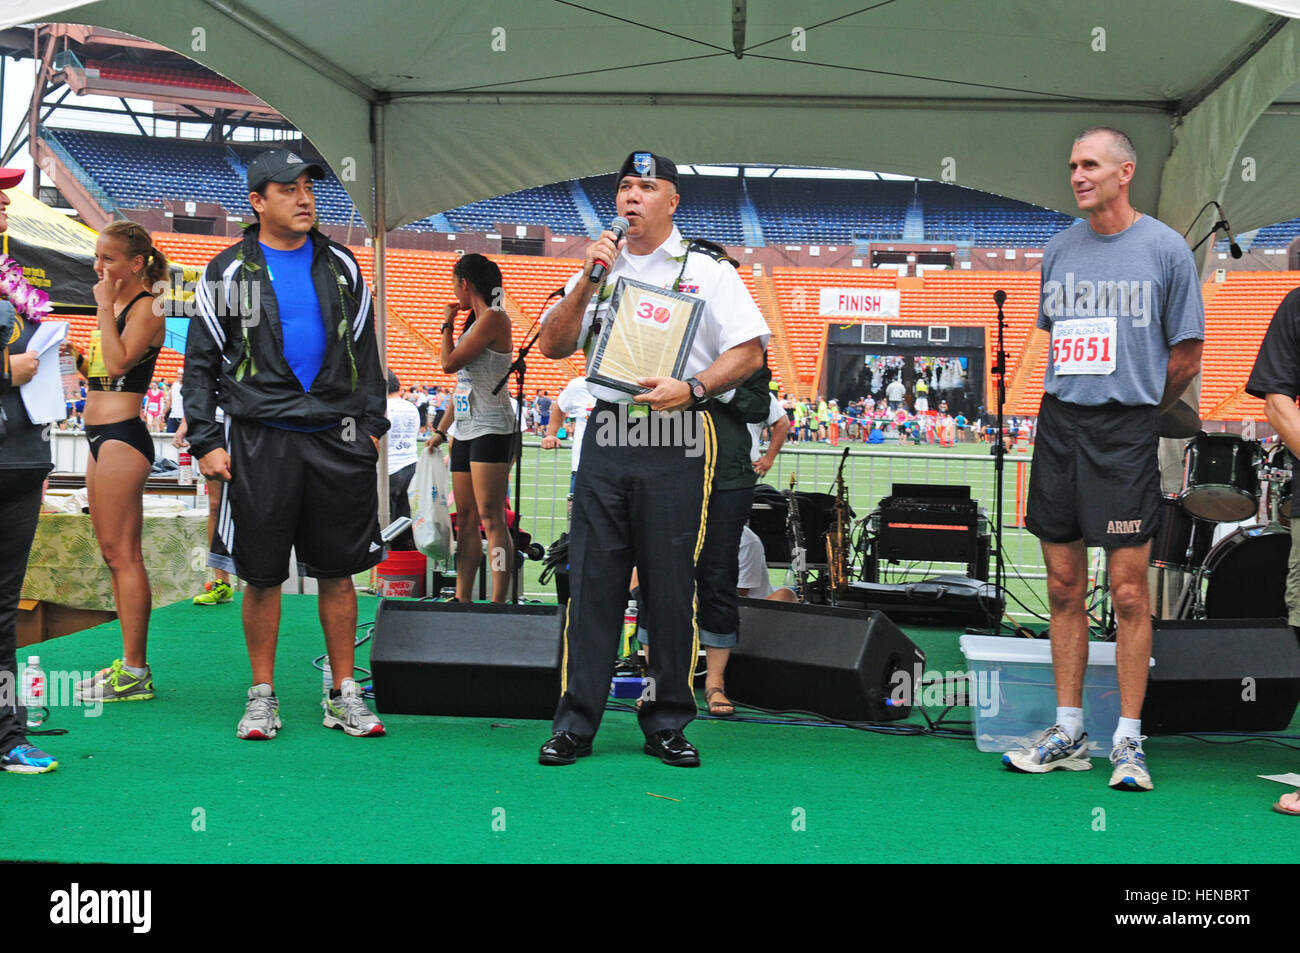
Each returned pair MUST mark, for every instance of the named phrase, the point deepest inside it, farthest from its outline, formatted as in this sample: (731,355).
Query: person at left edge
(24,462)
(284,342)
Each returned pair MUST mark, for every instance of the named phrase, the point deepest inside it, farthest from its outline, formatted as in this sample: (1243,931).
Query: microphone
(999,296)
(619,228)
(1233,247)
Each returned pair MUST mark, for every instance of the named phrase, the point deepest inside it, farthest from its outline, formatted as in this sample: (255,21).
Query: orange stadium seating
(1237,313)
(419,284)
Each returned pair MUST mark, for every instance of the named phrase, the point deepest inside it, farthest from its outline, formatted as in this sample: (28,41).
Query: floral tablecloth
(65,565)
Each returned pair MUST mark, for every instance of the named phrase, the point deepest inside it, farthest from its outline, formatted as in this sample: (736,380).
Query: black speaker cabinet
(1222,675)
(441,658)
(839,663)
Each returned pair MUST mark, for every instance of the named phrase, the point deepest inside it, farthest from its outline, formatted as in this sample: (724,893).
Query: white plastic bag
(430,513)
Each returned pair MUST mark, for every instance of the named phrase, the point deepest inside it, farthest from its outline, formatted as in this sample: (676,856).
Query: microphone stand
(520,367)
(999,453)
(1220,225)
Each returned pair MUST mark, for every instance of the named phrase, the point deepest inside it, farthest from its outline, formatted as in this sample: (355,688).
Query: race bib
(460,400)
(1084,346)
(95,363)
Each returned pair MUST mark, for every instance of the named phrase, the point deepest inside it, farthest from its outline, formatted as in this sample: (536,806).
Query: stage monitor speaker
(839,663)
(1222,675)
(483,660)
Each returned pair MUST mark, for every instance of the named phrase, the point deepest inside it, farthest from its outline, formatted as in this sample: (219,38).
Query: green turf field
(168,781)
(870,473)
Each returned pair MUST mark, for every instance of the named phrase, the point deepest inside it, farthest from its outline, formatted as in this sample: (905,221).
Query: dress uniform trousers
(642,506)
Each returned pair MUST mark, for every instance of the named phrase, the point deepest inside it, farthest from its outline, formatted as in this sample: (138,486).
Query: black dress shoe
(671,747)
(564,748)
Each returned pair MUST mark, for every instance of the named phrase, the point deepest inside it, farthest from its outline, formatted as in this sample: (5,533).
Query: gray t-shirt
(1115,305)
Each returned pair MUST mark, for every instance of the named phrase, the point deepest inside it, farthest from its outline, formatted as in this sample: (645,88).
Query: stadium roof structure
(466,99)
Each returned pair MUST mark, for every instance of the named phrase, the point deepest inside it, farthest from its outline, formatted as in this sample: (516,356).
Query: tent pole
(380,232)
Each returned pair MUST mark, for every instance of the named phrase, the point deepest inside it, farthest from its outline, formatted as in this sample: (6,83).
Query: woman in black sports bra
(118,371)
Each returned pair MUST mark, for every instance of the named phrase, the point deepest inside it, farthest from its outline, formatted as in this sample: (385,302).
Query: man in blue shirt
(284,342)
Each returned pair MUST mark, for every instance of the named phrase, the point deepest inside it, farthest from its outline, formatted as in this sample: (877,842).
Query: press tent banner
(58,256)
(56,252)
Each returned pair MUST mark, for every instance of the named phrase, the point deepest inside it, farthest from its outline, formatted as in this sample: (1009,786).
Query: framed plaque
(647,333)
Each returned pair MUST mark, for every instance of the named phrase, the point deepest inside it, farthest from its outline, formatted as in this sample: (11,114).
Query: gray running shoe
(349,712)
(261,718)
(1130,763)
(116,684)
(1051,750)
(86,684)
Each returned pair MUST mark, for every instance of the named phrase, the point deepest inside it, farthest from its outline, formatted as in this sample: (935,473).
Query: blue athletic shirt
(301,323)
(302,326)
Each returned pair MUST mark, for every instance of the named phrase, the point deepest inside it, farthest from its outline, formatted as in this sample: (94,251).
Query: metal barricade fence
(870,473)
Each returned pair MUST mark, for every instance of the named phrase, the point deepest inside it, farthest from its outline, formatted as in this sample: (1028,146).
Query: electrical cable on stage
(820,721)
(1239,738)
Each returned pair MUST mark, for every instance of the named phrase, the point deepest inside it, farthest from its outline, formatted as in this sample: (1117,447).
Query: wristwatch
(698,392)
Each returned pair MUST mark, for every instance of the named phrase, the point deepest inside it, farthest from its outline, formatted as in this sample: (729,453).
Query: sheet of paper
(49,334)
(43,394)
(1292,779)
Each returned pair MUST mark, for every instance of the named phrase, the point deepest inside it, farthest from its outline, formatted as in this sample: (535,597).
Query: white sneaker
(261,719)
(1130,763)
(1051,750)
(349,712)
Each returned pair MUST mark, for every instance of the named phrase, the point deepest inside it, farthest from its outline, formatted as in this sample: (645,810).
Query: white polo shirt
(775,412)
(753,566)
(729,317)
(576,401)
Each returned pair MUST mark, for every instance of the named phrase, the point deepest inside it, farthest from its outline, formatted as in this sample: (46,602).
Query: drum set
(1222,572)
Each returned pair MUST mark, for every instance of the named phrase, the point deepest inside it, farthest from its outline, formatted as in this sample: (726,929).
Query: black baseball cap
(280,165)
(647,165)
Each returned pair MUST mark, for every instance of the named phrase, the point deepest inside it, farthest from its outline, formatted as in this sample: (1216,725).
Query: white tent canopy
(425,106)
(449,101)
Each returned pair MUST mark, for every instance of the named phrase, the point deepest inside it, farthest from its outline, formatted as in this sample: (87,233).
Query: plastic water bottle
(34,691)
(185,473)
(629,628)
(327,677)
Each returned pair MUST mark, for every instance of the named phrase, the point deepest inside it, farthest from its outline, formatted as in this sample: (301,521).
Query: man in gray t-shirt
(1121,298)
(1115,305)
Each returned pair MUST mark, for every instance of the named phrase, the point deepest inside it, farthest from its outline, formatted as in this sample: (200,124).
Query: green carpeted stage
(167,781)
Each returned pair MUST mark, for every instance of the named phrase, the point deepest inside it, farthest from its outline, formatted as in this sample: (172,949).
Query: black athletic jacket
(234,355)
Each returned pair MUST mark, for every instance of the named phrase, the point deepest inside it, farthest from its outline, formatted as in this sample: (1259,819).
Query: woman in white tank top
(484,428)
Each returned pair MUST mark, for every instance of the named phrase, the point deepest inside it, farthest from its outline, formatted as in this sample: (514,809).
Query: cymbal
(1180,420)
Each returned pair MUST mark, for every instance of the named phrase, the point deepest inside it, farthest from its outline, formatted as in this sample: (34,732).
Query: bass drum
(1245,574)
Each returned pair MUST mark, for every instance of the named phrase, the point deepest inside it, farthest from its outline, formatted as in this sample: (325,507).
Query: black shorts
(312,492)
(131,432)
(487,448)
(1095,475)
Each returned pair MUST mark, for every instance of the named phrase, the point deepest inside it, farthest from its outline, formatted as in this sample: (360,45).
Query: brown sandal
(722,709)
